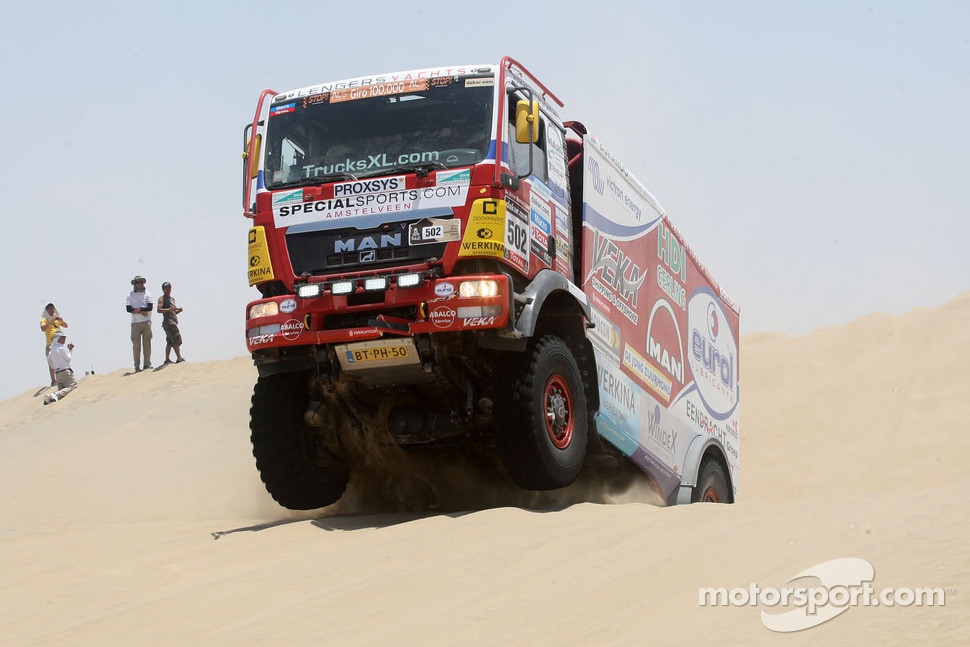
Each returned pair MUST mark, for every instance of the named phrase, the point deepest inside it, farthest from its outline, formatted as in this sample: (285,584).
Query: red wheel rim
(710,496)
(558,411)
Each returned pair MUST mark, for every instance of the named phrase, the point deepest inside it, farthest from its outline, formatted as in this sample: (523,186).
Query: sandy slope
(131,513)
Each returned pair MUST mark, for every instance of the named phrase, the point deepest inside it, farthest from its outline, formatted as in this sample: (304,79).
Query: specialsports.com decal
(288,212)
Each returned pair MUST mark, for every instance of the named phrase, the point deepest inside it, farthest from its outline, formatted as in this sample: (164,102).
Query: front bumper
(437,303)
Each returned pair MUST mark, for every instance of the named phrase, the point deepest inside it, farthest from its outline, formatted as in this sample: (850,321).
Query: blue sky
(813,154)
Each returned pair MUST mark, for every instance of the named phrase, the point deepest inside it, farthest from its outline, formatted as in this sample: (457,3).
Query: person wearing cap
(51,323)
(60,361)
(170,324)
(140,305)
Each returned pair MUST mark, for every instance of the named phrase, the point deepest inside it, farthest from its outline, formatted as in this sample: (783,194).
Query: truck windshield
(383,128)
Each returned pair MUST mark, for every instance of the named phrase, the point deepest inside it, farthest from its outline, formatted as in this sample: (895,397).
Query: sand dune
(132,514)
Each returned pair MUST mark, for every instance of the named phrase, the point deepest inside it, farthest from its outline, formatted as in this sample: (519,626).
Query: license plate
(384,353)
(386,361)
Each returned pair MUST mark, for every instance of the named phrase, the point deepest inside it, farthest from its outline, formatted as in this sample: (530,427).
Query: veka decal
(477,322)
(621,277)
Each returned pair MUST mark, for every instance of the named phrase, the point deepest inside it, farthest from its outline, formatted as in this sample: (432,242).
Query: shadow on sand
(363,521)
(338,522)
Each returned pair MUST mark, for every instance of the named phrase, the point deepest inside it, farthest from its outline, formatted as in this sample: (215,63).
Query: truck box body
(665,336)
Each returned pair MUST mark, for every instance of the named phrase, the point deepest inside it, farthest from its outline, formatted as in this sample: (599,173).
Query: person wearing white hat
(140,305)
(60,361)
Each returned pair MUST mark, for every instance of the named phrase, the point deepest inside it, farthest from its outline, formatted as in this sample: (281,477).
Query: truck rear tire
(712,484)
(543,423)
(298,472)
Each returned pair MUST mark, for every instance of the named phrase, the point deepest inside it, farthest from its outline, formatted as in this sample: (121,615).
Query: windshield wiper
(422,169)
(316,179)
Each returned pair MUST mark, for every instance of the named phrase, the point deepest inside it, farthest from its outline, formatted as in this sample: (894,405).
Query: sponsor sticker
(654,379)
(605,334)
(283,109)
(658,434)
(664,344)
(434,230)
(292,329)
(260,266)
(376,185)
(444,289)
(517,237)
(477,322)
(712,353)
(464,176)
(288,305)
(442,317)
(485,231)
(350,204)
(378,90)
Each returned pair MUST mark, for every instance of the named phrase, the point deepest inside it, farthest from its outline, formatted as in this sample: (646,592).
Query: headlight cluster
(483,288)
(267,309)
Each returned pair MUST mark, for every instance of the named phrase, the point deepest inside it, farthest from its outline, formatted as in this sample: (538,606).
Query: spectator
(51,323)
(139,304)
(170,324)
(60,362)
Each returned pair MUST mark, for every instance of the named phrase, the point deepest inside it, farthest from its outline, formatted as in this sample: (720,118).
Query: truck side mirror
(254,162)
(526,121)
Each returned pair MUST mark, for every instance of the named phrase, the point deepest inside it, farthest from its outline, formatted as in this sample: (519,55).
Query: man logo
(360,243)
(484,232)
(368,256)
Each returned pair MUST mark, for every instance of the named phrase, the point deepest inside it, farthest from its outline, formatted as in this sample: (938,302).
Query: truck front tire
(298,472)
(543,421)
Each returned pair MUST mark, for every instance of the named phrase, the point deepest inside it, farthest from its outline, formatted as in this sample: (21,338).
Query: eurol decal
(712,353)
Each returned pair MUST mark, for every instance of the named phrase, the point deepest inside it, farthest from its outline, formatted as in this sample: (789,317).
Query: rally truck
(443,261)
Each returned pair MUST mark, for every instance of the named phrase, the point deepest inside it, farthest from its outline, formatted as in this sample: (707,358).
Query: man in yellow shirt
(51,323)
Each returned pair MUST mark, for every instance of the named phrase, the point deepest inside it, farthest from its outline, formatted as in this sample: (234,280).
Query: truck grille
(327,251)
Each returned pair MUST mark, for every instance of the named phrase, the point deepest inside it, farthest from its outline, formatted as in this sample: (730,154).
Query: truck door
(543,164)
